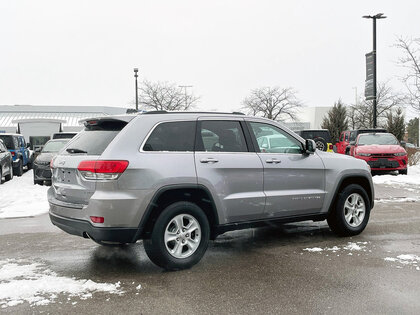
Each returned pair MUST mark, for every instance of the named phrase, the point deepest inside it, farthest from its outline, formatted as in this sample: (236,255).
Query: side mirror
(38,150)
(403,143)
(264,146)
(310,146)
(352,142)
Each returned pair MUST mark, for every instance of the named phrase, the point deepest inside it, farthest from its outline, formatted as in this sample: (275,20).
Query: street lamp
(137,90)
(185,90)
(374,18)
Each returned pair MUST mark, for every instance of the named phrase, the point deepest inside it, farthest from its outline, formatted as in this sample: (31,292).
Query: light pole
(374,18)
(185,91)
(137,90)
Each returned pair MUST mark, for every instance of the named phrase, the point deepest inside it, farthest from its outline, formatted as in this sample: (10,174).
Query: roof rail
(187,112)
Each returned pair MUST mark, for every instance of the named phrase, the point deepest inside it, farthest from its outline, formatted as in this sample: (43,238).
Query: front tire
(403,172)
(179,237)
(351,212)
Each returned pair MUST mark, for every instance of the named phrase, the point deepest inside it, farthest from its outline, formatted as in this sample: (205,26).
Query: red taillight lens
(102,170)
(13,153)
(330,146)
(97,219)
(103,166)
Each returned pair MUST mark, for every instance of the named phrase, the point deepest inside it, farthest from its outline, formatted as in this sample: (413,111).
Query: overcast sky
(83,52)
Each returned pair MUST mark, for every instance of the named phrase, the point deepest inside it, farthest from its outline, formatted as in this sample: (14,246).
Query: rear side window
(176,136)
(8,142)
(94,139)
(221,136)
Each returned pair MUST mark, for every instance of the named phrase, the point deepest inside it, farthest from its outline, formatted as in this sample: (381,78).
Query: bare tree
(411,61)
(272,102)
(165,96)
(388,101)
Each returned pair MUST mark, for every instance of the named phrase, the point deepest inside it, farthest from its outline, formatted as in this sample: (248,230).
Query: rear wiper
(73,150)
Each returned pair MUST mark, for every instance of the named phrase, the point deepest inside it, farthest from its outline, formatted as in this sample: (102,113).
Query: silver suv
(177,180)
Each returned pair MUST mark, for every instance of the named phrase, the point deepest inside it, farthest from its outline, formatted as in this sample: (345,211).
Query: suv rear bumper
(85,229)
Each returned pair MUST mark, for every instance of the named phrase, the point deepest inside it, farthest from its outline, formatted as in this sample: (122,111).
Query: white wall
(38,129)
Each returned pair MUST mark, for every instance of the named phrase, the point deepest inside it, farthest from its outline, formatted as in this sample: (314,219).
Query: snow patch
(413,178)
(404,199)
(315,249)
(350,246)
(21,198)
(406,260)
(35,284)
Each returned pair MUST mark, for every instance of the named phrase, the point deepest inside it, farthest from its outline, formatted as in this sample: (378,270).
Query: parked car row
(380,149)
(15,156)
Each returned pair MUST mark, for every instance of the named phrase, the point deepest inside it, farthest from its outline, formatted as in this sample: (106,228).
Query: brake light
(13,153)
(97,219)
(330,147)
(102,169)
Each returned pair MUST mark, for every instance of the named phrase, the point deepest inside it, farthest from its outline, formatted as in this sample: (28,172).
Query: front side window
(221,136)
(176,136)
(278,140)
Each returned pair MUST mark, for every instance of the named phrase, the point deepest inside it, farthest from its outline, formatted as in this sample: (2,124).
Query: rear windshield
(94,139)
(8,142)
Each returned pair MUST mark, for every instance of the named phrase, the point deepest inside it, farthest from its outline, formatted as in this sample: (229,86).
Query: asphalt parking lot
(288,269)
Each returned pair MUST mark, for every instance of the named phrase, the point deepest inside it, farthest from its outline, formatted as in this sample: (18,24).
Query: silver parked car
(177,180)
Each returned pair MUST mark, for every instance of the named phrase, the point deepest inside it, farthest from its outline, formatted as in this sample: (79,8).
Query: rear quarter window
(175,136)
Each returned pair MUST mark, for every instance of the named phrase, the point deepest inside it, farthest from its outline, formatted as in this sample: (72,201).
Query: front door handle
(272,161)
(209,160)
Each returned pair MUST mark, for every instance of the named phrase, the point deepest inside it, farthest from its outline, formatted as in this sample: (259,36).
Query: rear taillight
(330,146)
(13,153)
(102,170)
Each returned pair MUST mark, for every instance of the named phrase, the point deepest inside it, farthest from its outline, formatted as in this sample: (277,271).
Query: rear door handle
(273,161)
(209,160)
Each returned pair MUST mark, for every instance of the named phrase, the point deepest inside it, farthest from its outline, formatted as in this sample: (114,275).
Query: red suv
(381,151)
(347,138)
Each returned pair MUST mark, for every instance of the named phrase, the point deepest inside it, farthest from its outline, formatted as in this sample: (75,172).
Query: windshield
(377,139)
(54,146)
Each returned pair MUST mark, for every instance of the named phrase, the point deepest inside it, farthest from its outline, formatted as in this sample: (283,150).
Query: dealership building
(38,123)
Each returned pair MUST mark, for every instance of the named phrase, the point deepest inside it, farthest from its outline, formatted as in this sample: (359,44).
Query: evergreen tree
(396,124)
(335,120)
(413,131)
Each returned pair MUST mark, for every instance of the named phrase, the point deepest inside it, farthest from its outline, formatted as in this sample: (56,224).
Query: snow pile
(351,246)
(406,259)
(413,178)
(403,199)
(34,283)
(21,198)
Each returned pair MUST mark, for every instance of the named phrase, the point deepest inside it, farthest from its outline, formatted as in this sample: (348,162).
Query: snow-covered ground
(21,198)
(23,281)
(413,178)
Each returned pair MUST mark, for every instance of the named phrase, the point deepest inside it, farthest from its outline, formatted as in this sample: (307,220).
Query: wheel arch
(361,180)
(197,194)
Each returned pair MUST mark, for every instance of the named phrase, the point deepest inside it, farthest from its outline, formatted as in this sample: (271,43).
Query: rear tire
(351,212)
(321,144)
(18,171)
(179,237)
(38,182)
